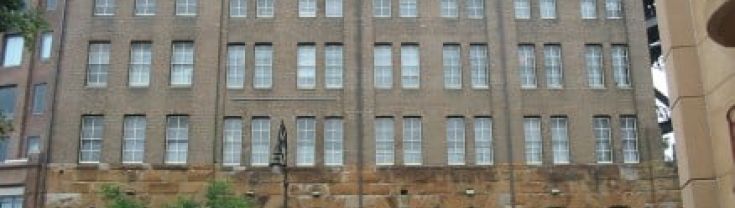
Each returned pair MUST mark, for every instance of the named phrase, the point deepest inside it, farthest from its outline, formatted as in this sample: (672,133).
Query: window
(620,66)
(381,8)
(455,141)
(305,141)
(14,201)
(479,65)
(588,9)
(307,8)
(177,139)
(50,5)
(614,9)
(522,9)
(527,66)
(39,99)
(603,146)
(595,73)
(145,7)
(410,69)
(186,7)
(91,139)
(553,65)
(261,133)
(140,64)
(452,67)
(449,8)
(408,8)
(547,9)
(629,134)
(306,72)
(333,142)
(104,7)
(475,9)
(3,148)
(384,141)
(383,64)
(263,67)
(47,39)
(99,62)
(334,64)
(560,140)
(235,66)
(534,144)
(134,139)
(333,8)
(13,54)
(232,142)
(238,8)
(483,141)
(33,145)
(7,104)
(182,63)
(265,8)
(412,141)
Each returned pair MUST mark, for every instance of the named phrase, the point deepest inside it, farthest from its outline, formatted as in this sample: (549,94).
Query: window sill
(95,87)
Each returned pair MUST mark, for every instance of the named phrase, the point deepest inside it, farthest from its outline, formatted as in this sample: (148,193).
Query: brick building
(387,103)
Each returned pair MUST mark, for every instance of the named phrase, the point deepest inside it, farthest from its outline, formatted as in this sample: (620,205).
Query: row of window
(8,94)
(588,9)
(177,140)
(33,146)
(13,51)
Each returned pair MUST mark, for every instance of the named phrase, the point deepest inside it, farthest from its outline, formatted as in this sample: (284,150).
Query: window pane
(381,8)
(260,132)
(603,145)
(306,140)
(483,141)
(134,139)
(33,145)
(238,8)
(265,8)
(412,141)
(104,7)
(595,73)
(527,66)
(475,9)
(145,7)
(307,8)
(232,142)
(629,133)
(236,66)
(408,8)
(334,66)
(177,139)
(334,8)
(479,65)
(50,5)
(3,148)
(140,65)
(306,72)
(91,139)
(553,65)
(560,140)
(449,8)
(547,9)
(263,67)
(383,67)
(39,99)
(384,141)
(186,7)
(614,9)
(455,141)
(7,104)
(182,63)
(589,9)
(410,69)
(98,64)
(534,145)
(452,67)
(13,55)
(46,44)
(620,66)
(522,9)
(333,142)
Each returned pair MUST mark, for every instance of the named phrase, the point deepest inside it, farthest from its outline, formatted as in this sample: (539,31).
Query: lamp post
(279,160)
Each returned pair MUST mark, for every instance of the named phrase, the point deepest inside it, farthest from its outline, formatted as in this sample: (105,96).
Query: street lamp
(279,162)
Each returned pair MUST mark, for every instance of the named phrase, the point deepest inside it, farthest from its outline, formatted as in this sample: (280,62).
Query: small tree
(15,16)
(115,198)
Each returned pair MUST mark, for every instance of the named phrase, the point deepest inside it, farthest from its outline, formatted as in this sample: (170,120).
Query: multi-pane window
(334,66)
(475,9)
(534,144)
(381,8)
(262,76)
(13,53)
(265,8)
(232,141)
(133,139)
(98,64)
(333,8)
(7,103)
(452,67)
(455,141)
(145,7)
(238,8)
(33,145)
(560,140)
(306,69)
(307,8)
(236,66)
(383,67)
(593,63)
(588,9)
(412,141)
(629,137)
(410,68)
(186,7)
(47,39)
(104,7)
(522,9)
(11,201)
(408,8)
(3,148)
(91,139)
(177,139)
(483,141)
(333,142)
(620,66)
(527,65)
(50,5)
(182,63)
(140,64)
(261,134)
(39,99)
(449,8)
(614,9)
(603,143)
(479,66)
(305,141)
(553,66)
(384,141)
(547,9)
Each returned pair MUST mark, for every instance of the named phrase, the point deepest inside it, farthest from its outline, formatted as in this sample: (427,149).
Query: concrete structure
(701,82)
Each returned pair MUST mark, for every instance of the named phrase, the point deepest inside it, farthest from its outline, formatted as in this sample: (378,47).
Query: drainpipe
(360,104)
(503,68)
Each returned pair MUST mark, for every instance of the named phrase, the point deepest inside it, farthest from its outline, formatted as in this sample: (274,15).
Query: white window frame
(603,140)
(333,142)
(381,8)
(527,66)
(305,141)
(384,141)
(594,65)
(47,40)
(145,7)
(479,65)
(522,9)
(560,140)
(410,66)
(238,8)
(266,8)
(306,66)
(383,66)
(177,139)
(261,137)
(449,8)
(334,66)
(408,8)
(452,63)
(96,127)
(39,99)
(236,66)
(553,65)
(475,9)
(307,8)
(98,64)
(588,9)
(13,50)
(15,201)
(484,152)
(104,7)
(455,141)
(134,134)
(333,8)
(263,73)
(614,9)
(547,9)
(232,141)
(621,66)
(141,59)
(412,141)
(629,139)
(186,7)
(51,5)
(533,140)
(182,63)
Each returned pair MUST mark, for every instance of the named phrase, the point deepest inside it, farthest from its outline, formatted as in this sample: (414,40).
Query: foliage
(5,125)
(14,17)
(220,195)
(115,198)
(183,202)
